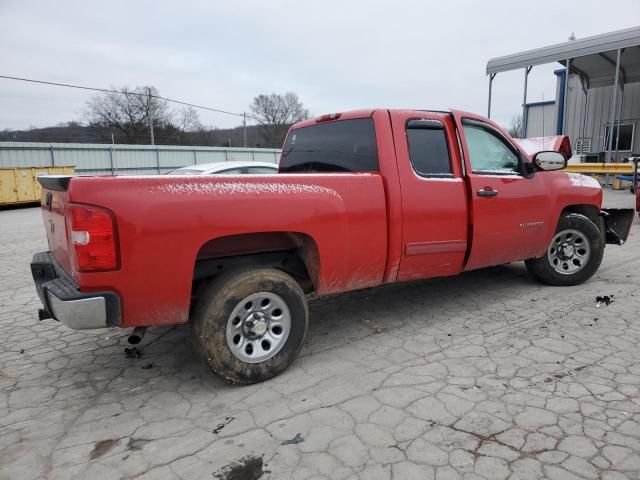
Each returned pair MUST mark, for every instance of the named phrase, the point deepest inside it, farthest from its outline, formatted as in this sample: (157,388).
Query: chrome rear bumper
(66,303)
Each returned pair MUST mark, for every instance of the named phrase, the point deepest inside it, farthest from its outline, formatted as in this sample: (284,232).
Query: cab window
(428,149)
(489,152)
(332,147)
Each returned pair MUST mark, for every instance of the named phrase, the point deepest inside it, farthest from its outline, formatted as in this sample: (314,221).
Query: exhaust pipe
(137,335)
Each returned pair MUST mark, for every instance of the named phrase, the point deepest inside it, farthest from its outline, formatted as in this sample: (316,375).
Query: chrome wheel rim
(569,251)
(258,327)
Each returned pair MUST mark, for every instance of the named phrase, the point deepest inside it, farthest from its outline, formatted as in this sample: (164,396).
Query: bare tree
(276,113)
(130,111)
(515,130)
(186,120)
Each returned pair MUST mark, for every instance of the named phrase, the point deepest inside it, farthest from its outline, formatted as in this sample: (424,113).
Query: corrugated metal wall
(588,114)
(541,119)
(123,159)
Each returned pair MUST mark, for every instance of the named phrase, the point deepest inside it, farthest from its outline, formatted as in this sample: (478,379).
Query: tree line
(141,116)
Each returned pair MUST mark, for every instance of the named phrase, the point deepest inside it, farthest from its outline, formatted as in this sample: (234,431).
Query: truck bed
(165,224)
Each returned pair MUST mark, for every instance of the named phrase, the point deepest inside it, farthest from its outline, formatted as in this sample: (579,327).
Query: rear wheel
(574,255)
(250,324)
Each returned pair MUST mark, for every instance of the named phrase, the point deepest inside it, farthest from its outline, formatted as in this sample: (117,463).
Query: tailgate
(53,202)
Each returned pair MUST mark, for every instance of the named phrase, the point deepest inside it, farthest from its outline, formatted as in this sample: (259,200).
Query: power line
(107,90)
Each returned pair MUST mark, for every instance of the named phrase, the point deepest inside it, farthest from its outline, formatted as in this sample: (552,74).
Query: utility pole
(150,114)
(244,124)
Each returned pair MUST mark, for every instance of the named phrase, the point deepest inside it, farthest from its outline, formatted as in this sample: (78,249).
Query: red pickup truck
(361,199)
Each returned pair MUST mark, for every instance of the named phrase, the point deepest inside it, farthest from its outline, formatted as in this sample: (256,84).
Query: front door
(508,209)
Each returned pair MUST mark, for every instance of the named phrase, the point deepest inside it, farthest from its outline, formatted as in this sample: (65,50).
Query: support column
(565,100)
(491,77)
(524,103)
(620,119)
(613,106)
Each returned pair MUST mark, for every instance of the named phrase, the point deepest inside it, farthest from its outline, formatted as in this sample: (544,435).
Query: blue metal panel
(560,120)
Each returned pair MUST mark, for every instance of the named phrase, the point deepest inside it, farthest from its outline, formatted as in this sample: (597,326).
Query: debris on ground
(22,350)
(249,468)
(297,439)
(606,299)
(132,352)
(220,426)
(146,365)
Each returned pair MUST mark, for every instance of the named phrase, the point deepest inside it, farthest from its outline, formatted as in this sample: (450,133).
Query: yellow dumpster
(20,185)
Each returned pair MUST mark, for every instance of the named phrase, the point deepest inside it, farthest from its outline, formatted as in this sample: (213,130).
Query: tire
(247,306)
(574,255)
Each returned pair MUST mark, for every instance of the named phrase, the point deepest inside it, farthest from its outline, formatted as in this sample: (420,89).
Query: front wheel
(574,255)
(250,324)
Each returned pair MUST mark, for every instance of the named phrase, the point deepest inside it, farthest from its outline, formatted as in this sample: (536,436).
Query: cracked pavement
(484,376)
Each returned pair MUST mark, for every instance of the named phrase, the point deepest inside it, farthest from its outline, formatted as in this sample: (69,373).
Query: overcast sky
(336,55)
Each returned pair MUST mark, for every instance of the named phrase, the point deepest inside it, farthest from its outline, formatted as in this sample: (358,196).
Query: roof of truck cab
(363,113)
(343,116)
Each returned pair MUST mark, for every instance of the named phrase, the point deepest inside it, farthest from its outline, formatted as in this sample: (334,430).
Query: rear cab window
(332,147)
(428,148)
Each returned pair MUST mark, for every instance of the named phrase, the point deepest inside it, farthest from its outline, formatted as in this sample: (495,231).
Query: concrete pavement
(485,376)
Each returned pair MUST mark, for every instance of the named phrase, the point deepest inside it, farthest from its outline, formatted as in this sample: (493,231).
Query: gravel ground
(484,376)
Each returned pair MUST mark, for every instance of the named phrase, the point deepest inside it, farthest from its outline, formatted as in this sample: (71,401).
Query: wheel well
(590,211)
(292,252)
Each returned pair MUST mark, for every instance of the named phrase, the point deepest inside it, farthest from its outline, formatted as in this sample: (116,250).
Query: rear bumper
(66,303)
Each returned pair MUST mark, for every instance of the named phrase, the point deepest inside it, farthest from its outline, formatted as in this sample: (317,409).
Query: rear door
(434,201)
(508,209)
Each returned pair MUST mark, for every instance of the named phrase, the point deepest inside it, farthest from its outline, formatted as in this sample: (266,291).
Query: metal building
(107,159)
(603,89)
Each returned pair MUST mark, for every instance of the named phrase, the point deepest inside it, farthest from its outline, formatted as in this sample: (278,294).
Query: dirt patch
(247,468)
(101,447)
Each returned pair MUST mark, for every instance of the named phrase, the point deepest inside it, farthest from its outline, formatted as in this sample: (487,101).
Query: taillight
(93,236)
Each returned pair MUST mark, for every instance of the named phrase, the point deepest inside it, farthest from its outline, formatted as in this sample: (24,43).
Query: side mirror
(548,161)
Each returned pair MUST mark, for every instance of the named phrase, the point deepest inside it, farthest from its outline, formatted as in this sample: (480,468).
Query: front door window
(489,154)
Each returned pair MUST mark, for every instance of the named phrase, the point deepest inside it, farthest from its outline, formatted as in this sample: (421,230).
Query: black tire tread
(208,323)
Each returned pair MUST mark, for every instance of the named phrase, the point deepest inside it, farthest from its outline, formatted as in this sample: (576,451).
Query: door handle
(487,192)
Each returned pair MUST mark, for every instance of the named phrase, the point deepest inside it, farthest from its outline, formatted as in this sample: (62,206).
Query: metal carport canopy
(597,45)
